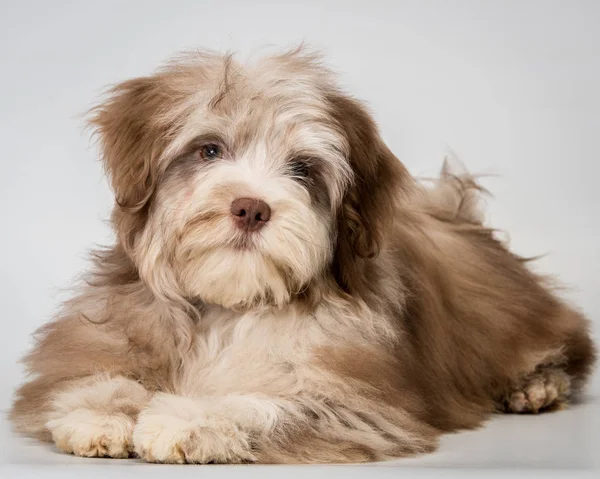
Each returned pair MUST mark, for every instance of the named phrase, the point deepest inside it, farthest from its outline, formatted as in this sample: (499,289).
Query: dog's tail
(455,196)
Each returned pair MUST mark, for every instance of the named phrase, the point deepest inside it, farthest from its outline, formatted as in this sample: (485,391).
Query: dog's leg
(556,378)
(95,416)
(239,428)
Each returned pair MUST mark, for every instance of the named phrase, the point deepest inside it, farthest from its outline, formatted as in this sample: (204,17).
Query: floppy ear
(133,130)
(370,202)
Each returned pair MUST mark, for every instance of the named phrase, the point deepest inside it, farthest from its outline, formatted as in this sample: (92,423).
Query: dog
(282,290)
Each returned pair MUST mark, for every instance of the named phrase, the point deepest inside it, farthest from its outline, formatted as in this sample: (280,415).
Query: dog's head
(244,185)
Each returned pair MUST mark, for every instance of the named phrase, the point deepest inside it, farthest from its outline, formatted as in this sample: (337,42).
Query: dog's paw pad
(548,389)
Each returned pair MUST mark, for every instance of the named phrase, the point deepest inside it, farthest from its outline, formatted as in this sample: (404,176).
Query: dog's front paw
(175,429)
(87,433)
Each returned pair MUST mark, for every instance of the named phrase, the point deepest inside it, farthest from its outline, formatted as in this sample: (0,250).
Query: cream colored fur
(366,317)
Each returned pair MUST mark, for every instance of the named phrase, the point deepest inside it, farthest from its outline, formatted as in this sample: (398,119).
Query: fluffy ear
(133,129)
(371,200)
(131,136)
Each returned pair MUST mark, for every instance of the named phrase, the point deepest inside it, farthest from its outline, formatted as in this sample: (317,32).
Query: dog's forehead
(269,96)
(263,104)
(282,122)
(279,104)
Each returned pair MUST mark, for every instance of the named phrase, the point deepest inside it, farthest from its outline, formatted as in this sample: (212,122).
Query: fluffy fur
(369,314)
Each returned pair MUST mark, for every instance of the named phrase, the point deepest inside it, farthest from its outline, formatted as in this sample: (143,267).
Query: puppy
(282,290)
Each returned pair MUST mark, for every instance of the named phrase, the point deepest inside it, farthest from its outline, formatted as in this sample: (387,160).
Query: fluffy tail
(455,196)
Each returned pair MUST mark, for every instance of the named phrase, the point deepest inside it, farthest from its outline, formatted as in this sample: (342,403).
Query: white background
(511,87)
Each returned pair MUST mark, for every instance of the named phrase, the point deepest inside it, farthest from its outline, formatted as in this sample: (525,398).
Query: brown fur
(470,323)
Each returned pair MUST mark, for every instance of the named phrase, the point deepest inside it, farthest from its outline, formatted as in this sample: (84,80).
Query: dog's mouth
(245,242)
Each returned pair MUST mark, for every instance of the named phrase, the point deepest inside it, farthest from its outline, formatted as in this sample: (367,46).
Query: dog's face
(237,185)
(245,207)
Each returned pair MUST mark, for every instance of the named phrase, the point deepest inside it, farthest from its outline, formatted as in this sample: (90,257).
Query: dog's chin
(239,278)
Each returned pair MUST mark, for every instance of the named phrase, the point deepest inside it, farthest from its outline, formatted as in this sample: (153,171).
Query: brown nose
(250,214)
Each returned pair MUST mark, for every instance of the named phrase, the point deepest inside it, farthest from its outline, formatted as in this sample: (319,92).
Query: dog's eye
(211,152)
(299,169)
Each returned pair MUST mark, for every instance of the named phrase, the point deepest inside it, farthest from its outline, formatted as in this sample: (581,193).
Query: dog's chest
(250,352)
